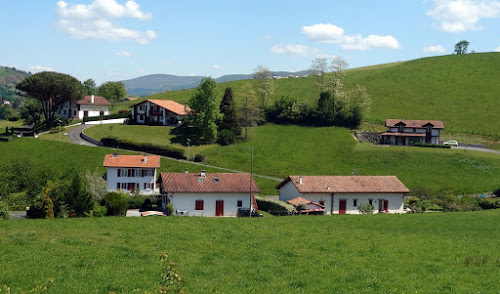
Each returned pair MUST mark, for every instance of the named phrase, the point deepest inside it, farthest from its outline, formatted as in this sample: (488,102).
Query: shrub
(136,201)
(226,137)
(13,118)
(365,208)
(99,210)
(496,193)
(168,151)
(275,207)
(170,208)
(116,203)
(4,211)
(199,158)
(489,203)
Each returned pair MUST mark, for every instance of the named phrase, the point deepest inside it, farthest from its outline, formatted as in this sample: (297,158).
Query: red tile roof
(170,105)
(152,161)
(98,100)
(437,124)
(303,201)
(347,184)
(211,183)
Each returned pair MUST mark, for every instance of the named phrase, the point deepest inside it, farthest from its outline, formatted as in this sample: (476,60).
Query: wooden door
(219,208)
(386,205)
(342,206)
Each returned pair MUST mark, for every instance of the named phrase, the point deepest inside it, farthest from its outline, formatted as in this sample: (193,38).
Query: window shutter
(119,172)
(143,173)
(118,186)
(199,205)
(144,186)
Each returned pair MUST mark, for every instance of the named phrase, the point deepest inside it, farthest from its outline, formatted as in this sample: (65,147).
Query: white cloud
(39,68)
(123,53)
(463,15)
(94,21)
(297,50)
(216,66)
(329,33)
(435,49)
(497,49)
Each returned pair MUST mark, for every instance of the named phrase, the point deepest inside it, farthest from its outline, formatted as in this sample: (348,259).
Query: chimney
(300,180)
(203,174)
(114,155)
(92,99)
(145,158)
(186,171)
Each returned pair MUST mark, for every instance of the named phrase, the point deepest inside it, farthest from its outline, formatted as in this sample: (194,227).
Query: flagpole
(251,177)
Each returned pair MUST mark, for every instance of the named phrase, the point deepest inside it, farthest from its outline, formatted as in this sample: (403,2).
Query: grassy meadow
(280,151)
(461,90)
(422,253)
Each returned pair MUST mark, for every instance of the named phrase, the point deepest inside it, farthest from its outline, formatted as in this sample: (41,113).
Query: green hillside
(461,90)
(420,253)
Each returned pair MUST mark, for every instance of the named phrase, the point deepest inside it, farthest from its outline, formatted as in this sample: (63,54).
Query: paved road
(74,135)
(477,149)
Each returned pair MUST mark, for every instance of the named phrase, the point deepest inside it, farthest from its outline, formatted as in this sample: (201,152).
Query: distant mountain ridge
(11,75)
(158,83)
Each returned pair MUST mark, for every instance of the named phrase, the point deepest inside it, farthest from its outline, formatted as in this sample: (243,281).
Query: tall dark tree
(51,89)
(461,47)
(90,86)
(78,197)
(113,91)
(31,112)
(228,110)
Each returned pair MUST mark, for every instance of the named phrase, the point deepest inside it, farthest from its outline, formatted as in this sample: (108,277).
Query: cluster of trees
(48,90)
(50,194)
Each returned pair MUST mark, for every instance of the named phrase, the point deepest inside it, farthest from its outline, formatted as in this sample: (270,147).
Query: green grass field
(461,90)
(280,151)
(426,253)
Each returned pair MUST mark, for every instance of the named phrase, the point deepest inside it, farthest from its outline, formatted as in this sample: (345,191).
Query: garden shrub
(99,210)
(226,137)
(199,158)
(365,208)
(170,208)
(4,211)
(167,150)
(136,201)
(116,203)
(489,203)
(275,207)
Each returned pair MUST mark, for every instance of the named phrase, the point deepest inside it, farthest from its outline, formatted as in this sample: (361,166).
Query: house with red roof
(344,194)
(409,132)
(208,194)
(88,106)
(128,173)
(162,112)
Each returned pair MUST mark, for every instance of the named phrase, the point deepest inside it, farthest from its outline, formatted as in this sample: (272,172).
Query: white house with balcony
(208,194)
(88,106)
(162,112)
(128,173)
(344,194)
(409,132)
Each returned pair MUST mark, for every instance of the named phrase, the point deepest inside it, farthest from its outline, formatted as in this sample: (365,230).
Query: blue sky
(109,40)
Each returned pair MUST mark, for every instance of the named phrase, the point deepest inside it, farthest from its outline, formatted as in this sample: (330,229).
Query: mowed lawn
(280,151)
(423,253)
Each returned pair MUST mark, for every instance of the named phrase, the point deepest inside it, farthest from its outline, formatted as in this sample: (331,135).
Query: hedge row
(104,117)
(168,151)
(431,145)
(275,207)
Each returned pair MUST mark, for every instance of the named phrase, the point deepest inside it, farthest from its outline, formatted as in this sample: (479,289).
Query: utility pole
(251,178)
(189,144)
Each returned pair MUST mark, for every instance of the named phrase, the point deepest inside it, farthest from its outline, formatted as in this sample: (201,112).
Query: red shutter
(199,205)
(118,186)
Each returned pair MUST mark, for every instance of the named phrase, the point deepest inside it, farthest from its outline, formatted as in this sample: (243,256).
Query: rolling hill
(461,90)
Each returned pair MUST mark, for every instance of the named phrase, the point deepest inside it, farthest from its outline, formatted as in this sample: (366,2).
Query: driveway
(74,136)
(477,149)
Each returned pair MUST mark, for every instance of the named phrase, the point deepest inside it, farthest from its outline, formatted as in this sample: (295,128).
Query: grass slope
(283,150)
(461,90)
(428,253)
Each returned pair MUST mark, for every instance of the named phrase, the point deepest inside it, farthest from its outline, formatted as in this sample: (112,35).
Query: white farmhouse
(207,194)
(87,107)
(131,172)
(409,132)
(162,112)
(343,194)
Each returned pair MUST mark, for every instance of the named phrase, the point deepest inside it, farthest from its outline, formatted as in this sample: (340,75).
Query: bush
(4,211)
(13,118)
(170,208)
(99,210)
(226,137)
(116,203)
(199,158)
(136,201)
(275,207)
(56,130)
(489,203)
(168,151)
(365,208)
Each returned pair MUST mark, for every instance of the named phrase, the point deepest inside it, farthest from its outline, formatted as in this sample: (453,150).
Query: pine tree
(228,110)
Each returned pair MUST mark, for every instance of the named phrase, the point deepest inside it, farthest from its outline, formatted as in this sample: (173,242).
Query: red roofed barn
(163,112)
(343,194)
(131,172)
(206,194)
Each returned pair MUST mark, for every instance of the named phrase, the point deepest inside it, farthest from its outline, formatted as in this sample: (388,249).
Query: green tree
(31,112)
(78,198)
(48,205)
(461,47)
(113,91)
(90,86)
(229,116)
(263,83)
(205,113)
(250,112)
(51,89)
(5,111)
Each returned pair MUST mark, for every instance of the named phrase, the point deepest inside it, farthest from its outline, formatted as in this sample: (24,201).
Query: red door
(386,205)
(219,208)
(342,206)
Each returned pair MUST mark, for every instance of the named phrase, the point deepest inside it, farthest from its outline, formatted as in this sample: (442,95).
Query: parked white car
(451,143)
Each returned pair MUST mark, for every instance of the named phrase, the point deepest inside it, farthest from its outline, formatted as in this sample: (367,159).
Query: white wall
(113,179)
(93,110)
(187,202)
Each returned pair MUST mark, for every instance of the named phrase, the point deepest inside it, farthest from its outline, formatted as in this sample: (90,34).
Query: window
(370,201)
(429,128)
(414,130)
(130,172)
(119,172)
(354,202)
(401,128)
(147,186)
(199,205)
(147,172)
(240,203)
(124,186)
(118,186)
(138,172)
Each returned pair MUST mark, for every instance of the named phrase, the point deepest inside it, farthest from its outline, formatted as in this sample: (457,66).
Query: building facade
(409,132)
(89,106)
(131,173)
(161,112)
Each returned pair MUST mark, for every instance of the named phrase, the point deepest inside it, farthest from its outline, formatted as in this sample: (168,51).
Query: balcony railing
(156,113)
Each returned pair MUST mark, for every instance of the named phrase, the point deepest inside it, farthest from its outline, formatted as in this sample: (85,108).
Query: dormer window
(401,128)
(429,128)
